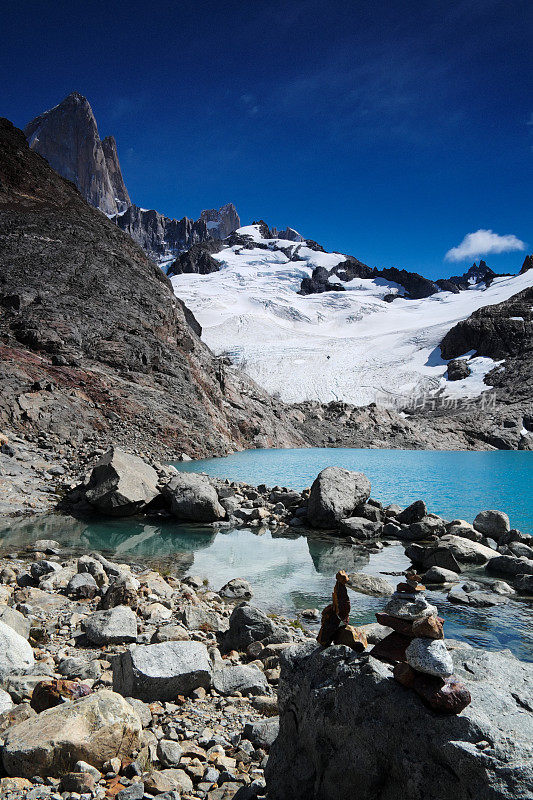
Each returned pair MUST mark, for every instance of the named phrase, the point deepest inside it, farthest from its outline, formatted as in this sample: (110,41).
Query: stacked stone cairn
(417,650)
(336,628)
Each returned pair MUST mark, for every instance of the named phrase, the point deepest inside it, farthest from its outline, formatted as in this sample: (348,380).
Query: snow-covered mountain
(364,343)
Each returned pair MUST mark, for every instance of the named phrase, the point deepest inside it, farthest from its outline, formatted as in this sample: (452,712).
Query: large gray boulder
(116,626)
(492,523)
(370,584)
(16,620)
(94,729)
(451,552)
(16,654)
(360,528)
(192,497)
(162,671)
(335,494)
(510,565)
(249,624)
(246,680)
(347,729)
(121,484)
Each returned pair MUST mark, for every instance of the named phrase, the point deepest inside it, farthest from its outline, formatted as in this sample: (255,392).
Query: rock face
(67,136)
(220,223)
(121,484)
(329,742)
(192,497)
(335,493)
(93,729)
(16,654)
(162,671)
(94,344)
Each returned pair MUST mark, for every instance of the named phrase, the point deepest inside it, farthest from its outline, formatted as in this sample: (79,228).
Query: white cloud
(483,243)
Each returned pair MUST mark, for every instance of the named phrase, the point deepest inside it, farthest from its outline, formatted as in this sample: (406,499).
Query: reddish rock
(351,637)
(425,628)
(48,694)
(392,648)
(337,613)
(443,695)
(409,588)
(428,628)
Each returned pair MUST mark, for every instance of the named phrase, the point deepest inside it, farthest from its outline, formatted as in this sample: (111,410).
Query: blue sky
(389,129)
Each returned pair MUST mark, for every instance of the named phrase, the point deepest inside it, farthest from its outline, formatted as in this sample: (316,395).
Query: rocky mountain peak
(67,136)
(528,264)
(222,222)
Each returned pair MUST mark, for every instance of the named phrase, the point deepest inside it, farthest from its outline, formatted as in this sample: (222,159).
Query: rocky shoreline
(119,681)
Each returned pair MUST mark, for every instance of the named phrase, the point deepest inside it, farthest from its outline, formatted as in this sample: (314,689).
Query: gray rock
(432,556)
(440,575)
(413,513)
(403,607)
(374,632)
(500,587)
(492,523)
(237,588)
(196,617)
(16,620)
(521,550)
(429,656)
(162,671)
(360,528)
(16,654)
(263,732)
(423,529)
(141,709)
(82,586)
(329,742)
(116,626)
(6,703)
(335,493)
(511,565)
(370,584)
(192,497)
(246,680)
(459,527)
(524,584)
(79,667)
(249,624)
(136,792)
(169,752)
(121,484)
(94,729)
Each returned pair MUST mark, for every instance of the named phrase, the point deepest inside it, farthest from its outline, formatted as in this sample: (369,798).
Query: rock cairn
(335,627)
(417,650)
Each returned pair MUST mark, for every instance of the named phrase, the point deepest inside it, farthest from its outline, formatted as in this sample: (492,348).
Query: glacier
(349,345)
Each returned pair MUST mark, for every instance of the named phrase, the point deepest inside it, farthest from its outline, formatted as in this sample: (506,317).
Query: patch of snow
(474,385)
(349,345)
(519,319)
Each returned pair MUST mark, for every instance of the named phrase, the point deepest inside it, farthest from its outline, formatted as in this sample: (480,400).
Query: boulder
(461,550)
(413,513)
(116,626)
(192,497)
(369,584)
(429,656)
(16,654)
(94,729)
(162,671)
(510,565)
(360,528)
(335,493)
(122,591)
(344,723)
(459,527)
(440,575)
(82,586)
(249,624)
(246,680)
(524,584)
(492,523)
(425,528)
(432,556)
(236,589)
(121,484)
(16,620)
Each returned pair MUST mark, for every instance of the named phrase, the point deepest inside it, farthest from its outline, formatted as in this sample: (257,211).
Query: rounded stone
(429,656)
(409,607)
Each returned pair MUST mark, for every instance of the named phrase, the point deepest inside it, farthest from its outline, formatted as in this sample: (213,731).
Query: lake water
(289,571)
(453,484)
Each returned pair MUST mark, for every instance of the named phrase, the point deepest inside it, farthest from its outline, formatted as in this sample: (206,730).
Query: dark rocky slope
(94,345)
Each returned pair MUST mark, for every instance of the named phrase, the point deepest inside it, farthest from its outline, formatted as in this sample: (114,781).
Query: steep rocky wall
(94,345)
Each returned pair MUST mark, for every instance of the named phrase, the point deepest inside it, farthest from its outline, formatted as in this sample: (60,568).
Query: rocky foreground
(117,681)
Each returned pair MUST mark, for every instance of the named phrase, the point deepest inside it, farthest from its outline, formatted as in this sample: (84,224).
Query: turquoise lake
(290,571)
(453,484)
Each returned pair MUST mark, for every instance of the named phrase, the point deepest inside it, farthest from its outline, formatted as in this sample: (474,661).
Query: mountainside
(371,336)
(94,346)
(67,136)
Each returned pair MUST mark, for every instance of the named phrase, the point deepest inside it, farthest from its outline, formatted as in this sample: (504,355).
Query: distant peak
(76,97)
